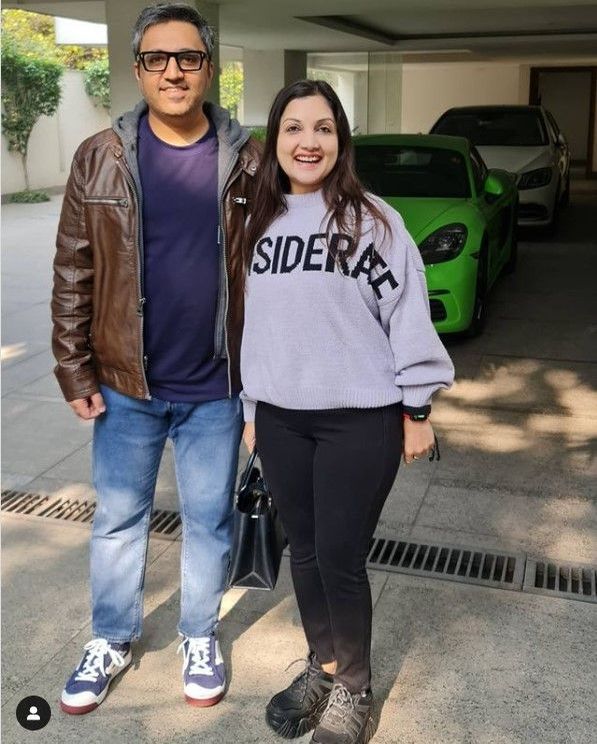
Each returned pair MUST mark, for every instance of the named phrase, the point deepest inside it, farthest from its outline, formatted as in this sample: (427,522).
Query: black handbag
(258,539)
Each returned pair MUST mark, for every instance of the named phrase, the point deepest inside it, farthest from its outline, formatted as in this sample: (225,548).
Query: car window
(495,127)
(396,170)
(479,170)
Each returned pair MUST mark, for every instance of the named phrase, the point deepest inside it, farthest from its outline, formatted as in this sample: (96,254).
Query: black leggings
(330,473)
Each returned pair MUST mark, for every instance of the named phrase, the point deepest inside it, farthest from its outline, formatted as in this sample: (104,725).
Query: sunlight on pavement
(481,431)
(230,599)
(13,351)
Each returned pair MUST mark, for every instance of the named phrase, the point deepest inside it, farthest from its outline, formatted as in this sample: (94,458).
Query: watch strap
(416,413)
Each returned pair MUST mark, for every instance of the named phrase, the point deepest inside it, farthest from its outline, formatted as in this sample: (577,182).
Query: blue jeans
(128,442)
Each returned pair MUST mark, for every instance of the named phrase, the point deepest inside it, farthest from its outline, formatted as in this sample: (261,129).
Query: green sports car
(461,215)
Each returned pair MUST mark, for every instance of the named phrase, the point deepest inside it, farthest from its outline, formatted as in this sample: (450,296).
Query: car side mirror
(493,187)
(561,140)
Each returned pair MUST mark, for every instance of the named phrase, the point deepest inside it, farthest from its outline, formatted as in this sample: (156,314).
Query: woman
(339,362)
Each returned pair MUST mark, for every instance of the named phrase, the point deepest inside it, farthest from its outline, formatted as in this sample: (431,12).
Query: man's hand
(88,408)
(249,436)
(418,440)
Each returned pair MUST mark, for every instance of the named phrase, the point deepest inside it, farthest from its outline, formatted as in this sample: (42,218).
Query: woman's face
(307,146)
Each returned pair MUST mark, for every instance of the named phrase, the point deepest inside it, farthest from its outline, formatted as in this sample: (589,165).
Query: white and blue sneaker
(88,684)
(203,671)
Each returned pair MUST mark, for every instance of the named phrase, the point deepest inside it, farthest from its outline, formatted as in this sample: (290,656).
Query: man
(147,311)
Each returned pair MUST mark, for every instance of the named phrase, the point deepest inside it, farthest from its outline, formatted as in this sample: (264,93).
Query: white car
(526,141)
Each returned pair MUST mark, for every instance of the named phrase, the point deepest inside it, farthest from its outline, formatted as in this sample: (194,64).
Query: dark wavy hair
(344,194)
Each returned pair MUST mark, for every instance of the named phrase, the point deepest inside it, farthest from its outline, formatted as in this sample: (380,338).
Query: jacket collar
(229,131)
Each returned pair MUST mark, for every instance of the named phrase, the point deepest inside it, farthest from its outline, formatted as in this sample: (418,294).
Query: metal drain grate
(561,580)
(163,523)
(70,510)
(22,503)
(452,562)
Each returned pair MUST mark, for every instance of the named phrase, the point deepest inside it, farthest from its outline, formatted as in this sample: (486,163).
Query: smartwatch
(416,414)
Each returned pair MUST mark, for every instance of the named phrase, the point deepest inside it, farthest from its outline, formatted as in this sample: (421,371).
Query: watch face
(419,417)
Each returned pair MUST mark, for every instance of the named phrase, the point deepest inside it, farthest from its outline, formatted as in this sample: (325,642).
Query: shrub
(258,133)
(97,82)
(27,197)
(30,89)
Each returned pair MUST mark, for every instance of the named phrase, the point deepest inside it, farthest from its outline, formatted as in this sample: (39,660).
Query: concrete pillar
(295,66)
(265,73)
(211,12)
(384,93)
(120,18)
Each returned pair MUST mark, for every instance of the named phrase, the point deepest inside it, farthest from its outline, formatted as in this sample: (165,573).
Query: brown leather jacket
(97,302)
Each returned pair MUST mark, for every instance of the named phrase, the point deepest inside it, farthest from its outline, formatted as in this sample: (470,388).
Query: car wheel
(565,201)
(479,316)
(510,265)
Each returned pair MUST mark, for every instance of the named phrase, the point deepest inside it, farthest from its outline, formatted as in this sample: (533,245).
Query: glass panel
(495,127)
(347,73)
(395,170)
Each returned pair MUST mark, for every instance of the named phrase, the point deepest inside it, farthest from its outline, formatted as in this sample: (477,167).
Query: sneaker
(88,684)
(347,718)
(203,671)
(297,709)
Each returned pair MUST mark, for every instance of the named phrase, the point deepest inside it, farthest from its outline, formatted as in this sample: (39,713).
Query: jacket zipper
(114,201)
(141,301)
(222,242)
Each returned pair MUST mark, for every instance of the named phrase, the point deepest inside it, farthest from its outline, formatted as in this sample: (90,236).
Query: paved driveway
(453,663)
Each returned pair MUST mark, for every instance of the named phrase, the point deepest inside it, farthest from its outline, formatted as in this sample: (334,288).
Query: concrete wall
(55,139)
(264,74)
(428,89)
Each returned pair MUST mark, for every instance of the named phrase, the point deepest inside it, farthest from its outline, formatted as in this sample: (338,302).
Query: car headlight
(535,179)
(443,244)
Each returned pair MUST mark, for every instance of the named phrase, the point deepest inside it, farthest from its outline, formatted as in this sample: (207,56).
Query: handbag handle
(248,468)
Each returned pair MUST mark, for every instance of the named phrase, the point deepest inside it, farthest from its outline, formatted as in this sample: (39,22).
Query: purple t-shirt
(180,224)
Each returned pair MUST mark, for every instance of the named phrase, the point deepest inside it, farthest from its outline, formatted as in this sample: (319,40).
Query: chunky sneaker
(297,709)
(347,718)
(88,684)
(203,671)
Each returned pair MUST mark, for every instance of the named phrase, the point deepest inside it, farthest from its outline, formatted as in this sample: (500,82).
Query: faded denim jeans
(128,443)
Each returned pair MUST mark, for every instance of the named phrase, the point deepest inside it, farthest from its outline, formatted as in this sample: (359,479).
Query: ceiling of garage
(483,28)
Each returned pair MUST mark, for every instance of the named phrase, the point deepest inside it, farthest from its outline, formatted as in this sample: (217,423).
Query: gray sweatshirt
(322,331)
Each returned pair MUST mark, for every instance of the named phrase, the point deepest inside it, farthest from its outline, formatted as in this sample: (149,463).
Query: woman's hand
(249,436)
(418,440)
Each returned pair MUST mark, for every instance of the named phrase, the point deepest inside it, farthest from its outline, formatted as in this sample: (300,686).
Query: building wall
(263,78)
(428,89)
(55,139)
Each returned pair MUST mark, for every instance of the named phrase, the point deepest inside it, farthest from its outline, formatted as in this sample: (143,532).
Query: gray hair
(162,13)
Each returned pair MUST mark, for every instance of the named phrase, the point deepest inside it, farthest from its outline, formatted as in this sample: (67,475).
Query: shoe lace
(92,663)
(340,705)
(301,681)
(196,654)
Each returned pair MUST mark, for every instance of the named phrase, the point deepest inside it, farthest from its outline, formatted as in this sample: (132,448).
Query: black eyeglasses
(187,61)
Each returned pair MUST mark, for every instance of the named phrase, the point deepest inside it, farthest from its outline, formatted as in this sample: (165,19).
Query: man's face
(173,92)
